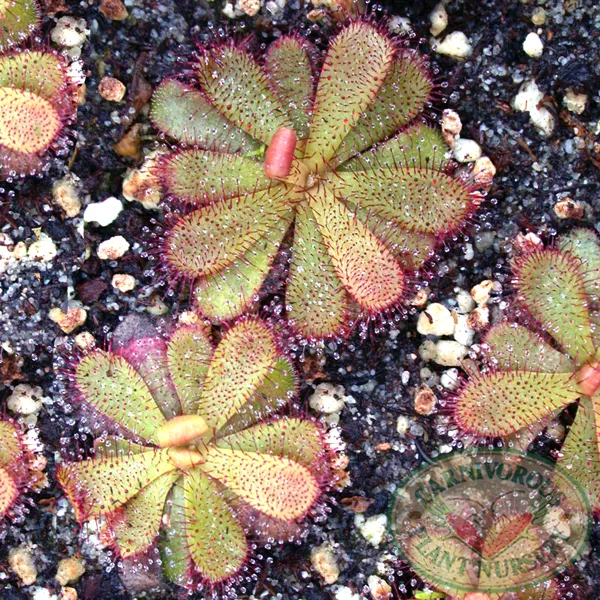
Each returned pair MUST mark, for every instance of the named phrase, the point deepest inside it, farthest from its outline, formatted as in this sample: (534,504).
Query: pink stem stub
(589,379)
(280,153)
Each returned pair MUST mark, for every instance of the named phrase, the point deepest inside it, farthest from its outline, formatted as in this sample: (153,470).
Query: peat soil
(382,371)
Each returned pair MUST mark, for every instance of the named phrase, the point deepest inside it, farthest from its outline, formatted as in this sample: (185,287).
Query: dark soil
(382,371)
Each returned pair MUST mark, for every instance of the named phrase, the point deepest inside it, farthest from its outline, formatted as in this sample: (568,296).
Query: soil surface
(380,371)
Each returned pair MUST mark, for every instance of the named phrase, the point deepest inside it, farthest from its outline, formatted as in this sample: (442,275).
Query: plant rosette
(331,157)
(204,465)
(534,372)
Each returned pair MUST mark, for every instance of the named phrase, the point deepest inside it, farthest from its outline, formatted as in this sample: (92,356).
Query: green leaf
(365,266)
(112,447)
(290,76)
(198,176)
(136,527)
(513,347)
(176,561)
(98,487)
(402,96)
(230,292)
(551,285)
(357,62)
(500,403)
(183,113)
(277,389)
(240,365)
(583,243)
(40,73)
(215,538)
(212,237)
(188,355)
(299,440)
(579,454)
(110,385)
(411,198)
(317,302)
(240,91)
(417,146)
(19,19)
(277,486)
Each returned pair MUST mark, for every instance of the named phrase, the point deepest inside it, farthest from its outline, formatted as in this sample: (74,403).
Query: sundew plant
(37,95)
(202,465)
(550,360)
(327,156)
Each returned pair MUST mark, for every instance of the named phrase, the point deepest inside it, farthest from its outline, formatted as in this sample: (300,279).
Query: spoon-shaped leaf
(499,403)
(552,287)
(109,384)
(357,62)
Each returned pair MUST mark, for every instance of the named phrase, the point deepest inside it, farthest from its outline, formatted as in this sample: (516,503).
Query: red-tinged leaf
(551,285)
(212,237)
(240,365)
(512,347)
(357,62)
(500,403)
(277,486)
(299,440)
(365,266)
(317,302)
(289,72)
(13,466)
(238,88)
(579,454)
(413,199)
(402,97)
(136,526)
(183,113)
(188,355)
(200,176)
(37,126)
(411,248)
(9,492)
(215,539)
(110,385)
(35,103)
(98,487)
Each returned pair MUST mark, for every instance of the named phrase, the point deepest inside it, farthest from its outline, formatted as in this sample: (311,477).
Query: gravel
(542,155)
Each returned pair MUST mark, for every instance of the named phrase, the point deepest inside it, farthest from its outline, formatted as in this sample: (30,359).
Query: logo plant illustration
(37,96)
(14,468)
(200,463)
(536,370)
(331,156)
